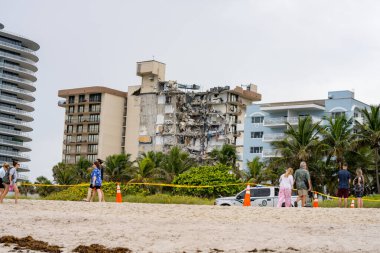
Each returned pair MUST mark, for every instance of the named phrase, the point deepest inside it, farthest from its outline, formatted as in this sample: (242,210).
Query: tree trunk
(377,169)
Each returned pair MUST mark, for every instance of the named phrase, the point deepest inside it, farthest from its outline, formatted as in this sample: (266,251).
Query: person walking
(303,183)
(286,184)
(3,170)
(10,179)
(359,187)
(95,182)
(344,180)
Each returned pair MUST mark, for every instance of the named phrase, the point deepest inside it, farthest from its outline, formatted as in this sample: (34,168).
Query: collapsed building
(162,114)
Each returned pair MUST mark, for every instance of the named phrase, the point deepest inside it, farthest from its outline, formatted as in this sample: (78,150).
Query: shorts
(96,187)
(1,184)
(302,192)
(359,191)
(343,193)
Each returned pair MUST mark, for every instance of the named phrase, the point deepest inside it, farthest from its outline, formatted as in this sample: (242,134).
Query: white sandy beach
(185,228)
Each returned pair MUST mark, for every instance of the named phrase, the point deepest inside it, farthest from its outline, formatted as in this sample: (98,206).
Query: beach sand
(189,228)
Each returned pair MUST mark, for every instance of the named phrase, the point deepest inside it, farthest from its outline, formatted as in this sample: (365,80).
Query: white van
(260,196)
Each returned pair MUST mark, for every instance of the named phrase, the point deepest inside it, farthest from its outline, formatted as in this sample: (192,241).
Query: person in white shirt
(9,179)
(286,184)
(2,174)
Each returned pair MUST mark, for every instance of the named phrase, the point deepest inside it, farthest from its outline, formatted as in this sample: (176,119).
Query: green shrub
(207,175)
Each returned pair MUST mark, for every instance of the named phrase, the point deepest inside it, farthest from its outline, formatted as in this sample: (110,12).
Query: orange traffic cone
(315,203)
(118,194)
(247,197)
(352,203)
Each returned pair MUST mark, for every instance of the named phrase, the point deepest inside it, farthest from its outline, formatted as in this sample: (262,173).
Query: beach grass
(372,201)
(163,199)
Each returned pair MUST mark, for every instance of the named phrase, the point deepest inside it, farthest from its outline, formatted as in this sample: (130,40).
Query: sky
(292,50)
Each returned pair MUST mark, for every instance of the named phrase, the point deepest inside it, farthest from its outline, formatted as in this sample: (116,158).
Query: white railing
(15,143)
(273,137)
(17,68)
(17,47)
(12,110)
(12,88)
(17,79)
(271,153)
(283,120)
(22,177)
(17,57)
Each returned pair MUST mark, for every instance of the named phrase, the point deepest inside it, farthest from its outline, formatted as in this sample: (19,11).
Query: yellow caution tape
(333,197)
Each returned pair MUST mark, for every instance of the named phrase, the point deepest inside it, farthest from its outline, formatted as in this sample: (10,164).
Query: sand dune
(184,228)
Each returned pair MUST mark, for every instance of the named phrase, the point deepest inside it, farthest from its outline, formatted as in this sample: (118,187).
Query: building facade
(95,120)
(163,114)
(265,123)
(17,85)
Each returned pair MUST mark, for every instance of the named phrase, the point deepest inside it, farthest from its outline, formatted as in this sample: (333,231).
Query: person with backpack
(359,187)
(10,178)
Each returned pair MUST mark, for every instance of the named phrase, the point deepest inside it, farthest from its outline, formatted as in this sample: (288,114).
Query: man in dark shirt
(344,185)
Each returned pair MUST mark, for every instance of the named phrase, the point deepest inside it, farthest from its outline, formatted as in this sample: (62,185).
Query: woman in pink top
(286,184)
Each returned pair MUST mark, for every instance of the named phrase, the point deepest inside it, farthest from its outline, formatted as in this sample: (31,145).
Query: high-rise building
(17,85)
(266,123)
(95,119)
(163,114)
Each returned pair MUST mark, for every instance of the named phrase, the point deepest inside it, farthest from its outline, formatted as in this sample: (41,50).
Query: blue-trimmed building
(265,123)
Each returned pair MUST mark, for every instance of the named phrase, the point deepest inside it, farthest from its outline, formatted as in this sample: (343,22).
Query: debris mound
(29,243)
(96,248)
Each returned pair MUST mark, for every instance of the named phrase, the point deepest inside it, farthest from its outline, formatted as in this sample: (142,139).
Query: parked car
(260,196)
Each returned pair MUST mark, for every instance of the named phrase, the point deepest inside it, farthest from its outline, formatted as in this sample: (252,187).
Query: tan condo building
(95,119)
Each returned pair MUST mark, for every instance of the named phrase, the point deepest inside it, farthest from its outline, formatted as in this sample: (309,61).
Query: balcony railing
(14,121)
(17,68)
(13,110)
(271,153)
(14,132)
(16,100)
(13,153)
(273,137)
(14,143)
(17,57)
(17,79)
(83,120)
(22,177)
(12,88)
(281,121)
(24,49)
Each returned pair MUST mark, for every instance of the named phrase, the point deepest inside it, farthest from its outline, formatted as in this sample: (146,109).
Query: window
(93,138)
(168,100)
(337,114)
(81,108)
(94,118)
(91,157)
(96,97)
(82,99)
(71,99)
(79,128)
(68,149)
(69,129)
(68,138)
(80,118)
(71,109)
(93,128)
(94,108)
(356,114)
(257,135)
(79,138)
(259,119)
(78,148)
(67,159)
(69,118)
(260,192)
(256,150)
(77,158)
(92,148)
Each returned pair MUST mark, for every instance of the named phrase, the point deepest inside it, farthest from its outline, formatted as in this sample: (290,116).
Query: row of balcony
(80,141)
(15,100)
(17,79)
(17,68)
(15,111)
(64,102)
(14,143)
(82,132)
(15,154)
(83,120)
(15,89)
(79,152)
(14,121)
(13,132)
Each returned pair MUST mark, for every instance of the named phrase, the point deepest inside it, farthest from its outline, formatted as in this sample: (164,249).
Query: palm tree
(301,142)
(337,137)
(81,168)
(255,170)
(117,167)
(369,134)
(43,191)
(64,174)
(176,162)
(227,155)
(145,171)
(156,157)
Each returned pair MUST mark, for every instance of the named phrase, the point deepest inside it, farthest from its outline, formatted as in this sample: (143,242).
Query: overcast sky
(293,50)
